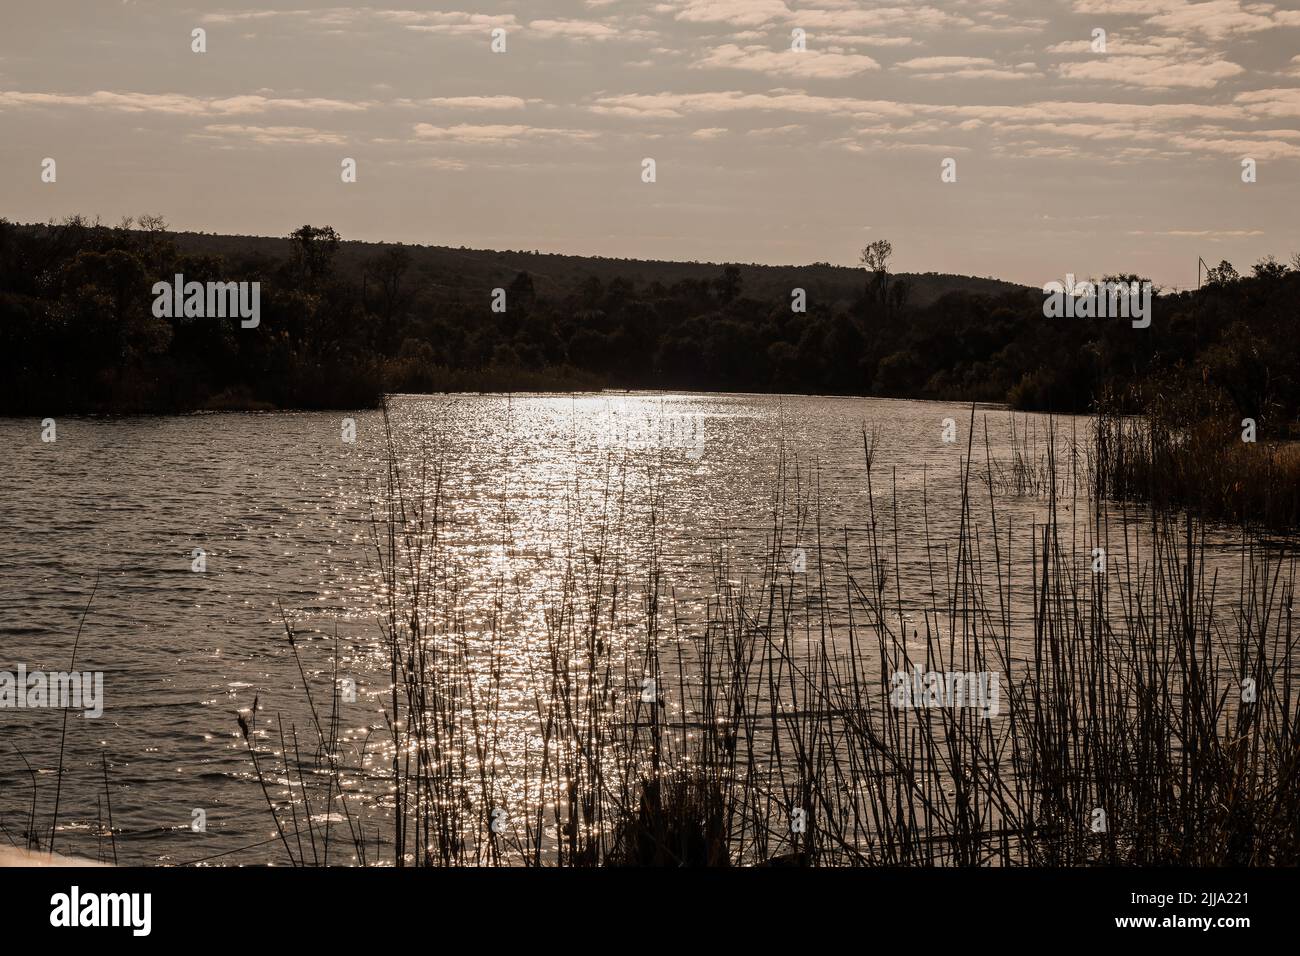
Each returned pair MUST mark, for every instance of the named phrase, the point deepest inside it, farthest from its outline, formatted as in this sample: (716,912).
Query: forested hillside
(341,323)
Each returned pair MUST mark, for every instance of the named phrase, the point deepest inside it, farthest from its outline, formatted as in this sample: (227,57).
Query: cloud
(787,130)
(273,135)
(1041,128)
(826,16)
(1003,23)
(586,30)
(1270,103)
(917,17)
(467,134)
(454,23)
(945,62)
(449,22)
(676,105)
(743,13)
(244,16)
(467,102)
(712,132)
(1132,44)
(1158,62)
(1062,111)
(1215,19)
(836,41)
(966,68)
(809,63)
(1212,235)
(1254,148)
(1152,71)
(431,162)
(177,103)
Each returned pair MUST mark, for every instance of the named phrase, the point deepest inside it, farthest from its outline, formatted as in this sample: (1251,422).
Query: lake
(202,530)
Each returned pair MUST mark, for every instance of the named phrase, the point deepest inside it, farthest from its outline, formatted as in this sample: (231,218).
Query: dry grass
(1205,467)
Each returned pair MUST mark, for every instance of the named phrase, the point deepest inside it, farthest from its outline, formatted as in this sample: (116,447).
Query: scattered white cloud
(1212,235)
(1273,104)
(1215,19)
(177,103)
(495,134)
(467,103)
(273,135)
(1154,71)
(586,30)
(966,68)
(808,63)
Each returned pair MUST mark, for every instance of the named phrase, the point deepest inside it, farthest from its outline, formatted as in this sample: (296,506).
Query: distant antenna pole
(1196,325)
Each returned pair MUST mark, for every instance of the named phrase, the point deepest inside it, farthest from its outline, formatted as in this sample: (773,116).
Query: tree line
(77,333)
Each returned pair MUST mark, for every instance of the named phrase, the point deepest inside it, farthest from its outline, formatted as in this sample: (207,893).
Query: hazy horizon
(1068,159)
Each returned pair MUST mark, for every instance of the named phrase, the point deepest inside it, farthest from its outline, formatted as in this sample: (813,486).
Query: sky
(1069,155)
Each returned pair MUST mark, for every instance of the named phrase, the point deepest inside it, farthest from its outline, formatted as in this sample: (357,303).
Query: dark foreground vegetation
(343,323)
(1186,450)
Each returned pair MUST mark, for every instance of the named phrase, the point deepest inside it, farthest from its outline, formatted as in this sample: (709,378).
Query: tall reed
(1147,711)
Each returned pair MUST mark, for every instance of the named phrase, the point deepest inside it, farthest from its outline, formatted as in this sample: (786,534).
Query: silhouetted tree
(875,257)
(729,284)
(313,251)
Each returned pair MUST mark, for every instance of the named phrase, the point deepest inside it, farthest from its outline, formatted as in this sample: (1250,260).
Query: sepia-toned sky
(1067,159)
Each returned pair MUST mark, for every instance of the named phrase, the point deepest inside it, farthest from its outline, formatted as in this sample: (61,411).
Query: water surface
(284,510)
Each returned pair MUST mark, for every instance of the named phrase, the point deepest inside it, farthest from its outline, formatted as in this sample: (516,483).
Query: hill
(556,276)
